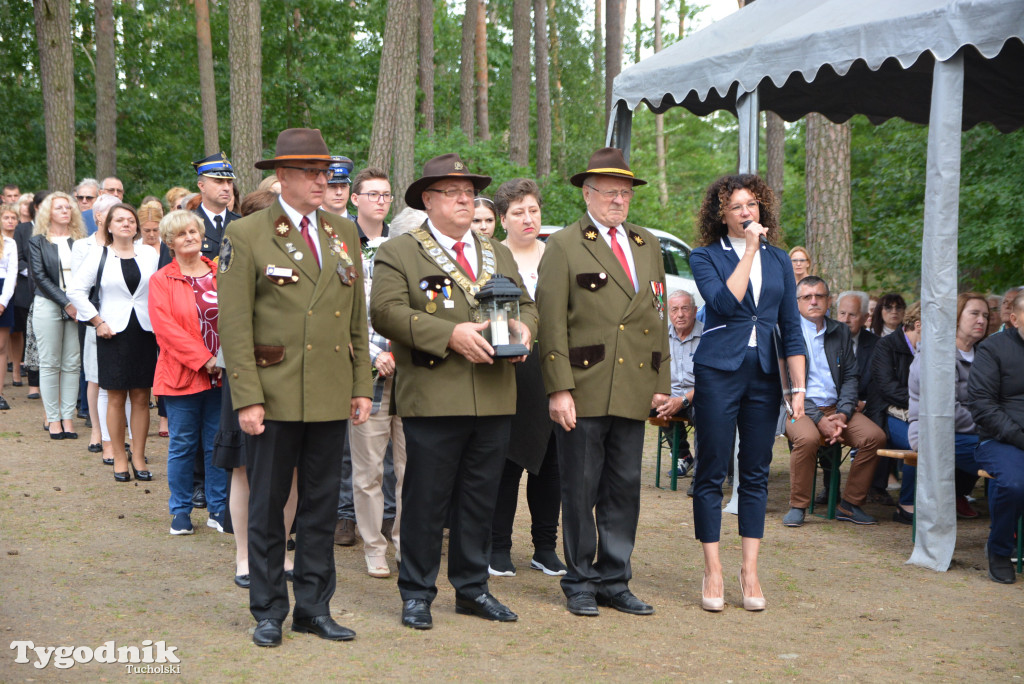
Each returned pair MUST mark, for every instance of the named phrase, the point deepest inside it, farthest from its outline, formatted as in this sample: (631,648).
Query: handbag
(94,291)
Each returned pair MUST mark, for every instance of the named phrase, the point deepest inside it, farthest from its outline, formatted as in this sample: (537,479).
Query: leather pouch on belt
(592,281)
(656,360)
(268,355)
(585,357)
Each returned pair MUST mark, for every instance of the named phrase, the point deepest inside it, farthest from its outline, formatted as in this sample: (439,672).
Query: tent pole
(936,515)
(620,129)
(748,113)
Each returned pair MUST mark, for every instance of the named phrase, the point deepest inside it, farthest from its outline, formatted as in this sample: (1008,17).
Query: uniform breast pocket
(281,276)
(592,281)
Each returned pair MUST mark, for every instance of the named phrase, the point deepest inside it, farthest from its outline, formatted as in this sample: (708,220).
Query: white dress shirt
(296,218)
(621,237)
(448,245)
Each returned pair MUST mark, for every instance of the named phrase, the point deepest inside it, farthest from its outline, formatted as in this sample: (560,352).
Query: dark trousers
(271,458)
(1005,463)
(747,399)
(542,496)
(599,466)
(453,465)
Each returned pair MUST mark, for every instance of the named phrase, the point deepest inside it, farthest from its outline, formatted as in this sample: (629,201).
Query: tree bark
(405,115)
(682,18)
(106,91)
(659,119)
(426,66)
(638,31)
(467,110)
(556,114)
(614,29)
(828,200)
(519,118)
(543,87)
(389,95)
(246,58)
(207,87)
(598,36)
(56,76)
(775,153)
(483,123)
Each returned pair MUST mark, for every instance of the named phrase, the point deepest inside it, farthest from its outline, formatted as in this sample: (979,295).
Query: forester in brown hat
(454,398)
(293,330)
(601,285)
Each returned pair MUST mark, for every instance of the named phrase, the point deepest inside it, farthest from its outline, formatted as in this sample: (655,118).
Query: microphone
(762,238)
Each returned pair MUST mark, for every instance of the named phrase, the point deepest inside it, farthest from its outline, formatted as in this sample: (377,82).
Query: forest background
(517,87)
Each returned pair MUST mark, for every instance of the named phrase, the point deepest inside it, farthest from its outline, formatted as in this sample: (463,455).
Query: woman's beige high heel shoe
(712,605)
(751,602)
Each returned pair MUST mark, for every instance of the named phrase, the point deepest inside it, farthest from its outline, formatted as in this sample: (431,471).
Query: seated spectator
(683,336)
(995,391)
(1006,309)
(889,402)
(995,305)
(829,410)
(888,314)
(183,311)
(971,328)
(801,260)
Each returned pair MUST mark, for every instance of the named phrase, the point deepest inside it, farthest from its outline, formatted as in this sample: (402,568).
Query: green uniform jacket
(431,379)
(295,342)
(598,337)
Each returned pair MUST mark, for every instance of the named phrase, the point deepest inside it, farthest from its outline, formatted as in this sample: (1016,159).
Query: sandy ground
(84,560)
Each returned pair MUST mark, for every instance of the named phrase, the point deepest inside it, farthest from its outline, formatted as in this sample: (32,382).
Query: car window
(677,259)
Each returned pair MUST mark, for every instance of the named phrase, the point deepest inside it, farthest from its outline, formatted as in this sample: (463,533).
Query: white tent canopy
(950,64)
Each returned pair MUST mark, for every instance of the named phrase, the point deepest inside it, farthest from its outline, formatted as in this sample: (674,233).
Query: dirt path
(84,560)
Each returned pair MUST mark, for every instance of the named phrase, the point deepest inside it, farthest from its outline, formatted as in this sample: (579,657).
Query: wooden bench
(668,434)
(908,457)
(1020,529)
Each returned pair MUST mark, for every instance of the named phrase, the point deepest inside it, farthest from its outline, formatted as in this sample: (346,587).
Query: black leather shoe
(1000,568)
(416,614)
(70,435)
(324,627)
(268,632)
(143,475)
(198,497)
(122,477)
(96,448)
(582,603)
(242,581)
(626,602)
(108,461)
(485,606)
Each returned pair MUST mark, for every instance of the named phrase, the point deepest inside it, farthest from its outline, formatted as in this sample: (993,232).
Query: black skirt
(228,447)
(128,359)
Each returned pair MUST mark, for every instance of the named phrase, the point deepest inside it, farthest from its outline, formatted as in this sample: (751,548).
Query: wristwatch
(686,403)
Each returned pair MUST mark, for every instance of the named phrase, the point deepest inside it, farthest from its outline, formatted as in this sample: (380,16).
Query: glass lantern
(499,305)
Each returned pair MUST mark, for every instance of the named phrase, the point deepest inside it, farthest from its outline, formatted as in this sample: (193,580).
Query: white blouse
(8,270)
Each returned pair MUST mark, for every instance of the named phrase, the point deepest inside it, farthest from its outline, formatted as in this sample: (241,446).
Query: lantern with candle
(499,304)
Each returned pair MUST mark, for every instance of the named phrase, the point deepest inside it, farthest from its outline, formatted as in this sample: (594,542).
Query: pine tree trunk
(106,91)
(614,29)
(828,200)
(389,96)
(775,153)
(426,66)
(246,58)
(56,75)
(207,87)
(598,36)
(483,122)
(405,114)
(519,118)
(543,87)
(467,109)
(638,31)
(556,114)
(659,119)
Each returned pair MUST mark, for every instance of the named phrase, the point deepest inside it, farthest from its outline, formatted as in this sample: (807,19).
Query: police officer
(339,187)
(216,186)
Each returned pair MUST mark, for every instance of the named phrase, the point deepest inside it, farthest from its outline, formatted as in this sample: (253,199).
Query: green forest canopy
(320,65)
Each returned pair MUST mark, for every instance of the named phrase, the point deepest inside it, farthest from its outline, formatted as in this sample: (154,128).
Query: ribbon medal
(658,290)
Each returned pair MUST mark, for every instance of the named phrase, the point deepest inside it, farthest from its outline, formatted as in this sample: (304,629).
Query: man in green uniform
(293,329)
(605,361)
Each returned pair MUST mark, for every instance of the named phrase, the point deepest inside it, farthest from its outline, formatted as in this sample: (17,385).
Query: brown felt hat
(607,161)
(297,144)
(438,168)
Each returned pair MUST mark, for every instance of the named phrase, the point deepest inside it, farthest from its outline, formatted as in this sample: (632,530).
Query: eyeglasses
(312,172)
(455,193)
(114,191)
(373,196)
(799,261)
(812,295)
(85,198)
(610,195)
(750,206)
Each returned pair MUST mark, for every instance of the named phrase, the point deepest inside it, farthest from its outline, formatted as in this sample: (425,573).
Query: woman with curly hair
(749,290)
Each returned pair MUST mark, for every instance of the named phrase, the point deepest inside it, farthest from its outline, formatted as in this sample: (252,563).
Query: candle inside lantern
(499,327)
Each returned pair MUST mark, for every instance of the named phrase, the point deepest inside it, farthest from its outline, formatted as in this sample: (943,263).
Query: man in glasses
(601,290)
(454,397)
(293,329)
(215,180)
(338,187)
(113,186)
(85,194)
(830,410)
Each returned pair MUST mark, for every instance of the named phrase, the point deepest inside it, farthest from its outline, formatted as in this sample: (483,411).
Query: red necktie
(460,259)
(304,229)
(619,254)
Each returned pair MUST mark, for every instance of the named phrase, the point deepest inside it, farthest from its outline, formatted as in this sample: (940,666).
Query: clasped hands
(831,427)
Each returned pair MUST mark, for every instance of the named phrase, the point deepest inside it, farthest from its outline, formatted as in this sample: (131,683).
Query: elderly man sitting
(996,391)
(683,338)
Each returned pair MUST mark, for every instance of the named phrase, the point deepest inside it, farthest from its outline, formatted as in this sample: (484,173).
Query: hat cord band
(625,172)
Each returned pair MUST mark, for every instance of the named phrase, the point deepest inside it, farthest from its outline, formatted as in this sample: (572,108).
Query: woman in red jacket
(183,310)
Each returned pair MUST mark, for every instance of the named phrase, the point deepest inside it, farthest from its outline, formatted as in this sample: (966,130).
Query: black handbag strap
(99,273)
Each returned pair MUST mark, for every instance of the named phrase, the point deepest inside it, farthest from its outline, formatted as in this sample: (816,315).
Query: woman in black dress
(125,344)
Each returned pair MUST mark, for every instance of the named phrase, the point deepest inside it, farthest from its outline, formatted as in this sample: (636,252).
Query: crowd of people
(324,376)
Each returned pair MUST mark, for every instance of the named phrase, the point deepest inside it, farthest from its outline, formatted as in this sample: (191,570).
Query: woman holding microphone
(749,288)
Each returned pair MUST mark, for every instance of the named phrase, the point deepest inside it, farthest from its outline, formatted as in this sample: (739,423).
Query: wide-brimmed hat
(297,144)
(607,161)
(438,168)
(342,168)
(215,166)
